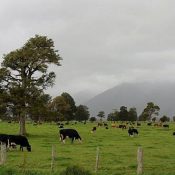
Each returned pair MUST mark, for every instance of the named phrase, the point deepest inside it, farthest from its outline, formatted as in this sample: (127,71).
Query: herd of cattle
(11,141)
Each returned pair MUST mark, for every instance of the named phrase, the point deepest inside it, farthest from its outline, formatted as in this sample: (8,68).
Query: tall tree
(164,119)
(101,114)
(150,110)
(123,114)
(24,73)
(82,113)
(60,106)
(113,116)
(132,114)
(70,114)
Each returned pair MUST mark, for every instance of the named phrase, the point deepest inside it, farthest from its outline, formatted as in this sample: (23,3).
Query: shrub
(75,170)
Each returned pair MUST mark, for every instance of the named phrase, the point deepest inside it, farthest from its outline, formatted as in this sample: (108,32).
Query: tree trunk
(22,127)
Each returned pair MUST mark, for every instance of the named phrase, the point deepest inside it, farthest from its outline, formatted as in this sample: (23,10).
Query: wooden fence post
(139,161)
(97,160)
(3,154)
(52,158)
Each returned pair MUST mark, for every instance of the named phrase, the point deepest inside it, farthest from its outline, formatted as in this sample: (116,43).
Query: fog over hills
(135,95)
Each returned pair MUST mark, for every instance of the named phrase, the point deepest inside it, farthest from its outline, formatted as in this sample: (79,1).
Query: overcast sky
(103,43)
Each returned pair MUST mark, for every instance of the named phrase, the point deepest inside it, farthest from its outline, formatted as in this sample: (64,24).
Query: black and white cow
(4,139)
(13,140)
(132,131)
(19,140)
(71,133)
(93,129)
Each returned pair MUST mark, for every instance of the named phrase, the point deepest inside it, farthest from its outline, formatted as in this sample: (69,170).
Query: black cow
(132,131)
(138,124)
(4,139)
(166,126)
(71,133)
(173,133)
(93,129)
(11,140)
(20,140)
(122,126)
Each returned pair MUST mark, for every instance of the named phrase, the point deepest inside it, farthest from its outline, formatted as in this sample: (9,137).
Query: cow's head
(29,148)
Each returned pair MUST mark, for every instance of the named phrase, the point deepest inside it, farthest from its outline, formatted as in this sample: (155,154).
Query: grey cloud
(103,42)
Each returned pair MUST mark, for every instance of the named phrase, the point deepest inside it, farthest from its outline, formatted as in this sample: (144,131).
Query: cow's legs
(21,148)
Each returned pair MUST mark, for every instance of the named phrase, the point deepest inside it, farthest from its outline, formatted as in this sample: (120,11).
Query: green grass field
(118,151)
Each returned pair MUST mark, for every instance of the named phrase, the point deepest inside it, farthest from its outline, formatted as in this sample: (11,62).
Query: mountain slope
(135,95)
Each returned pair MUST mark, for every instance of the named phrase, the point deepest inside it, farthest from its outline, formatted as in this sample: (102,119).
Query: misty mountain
(135,95)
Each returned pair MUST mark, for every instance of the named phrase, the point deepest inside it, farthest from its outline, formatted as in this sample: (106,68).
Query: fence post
(139,161)
(97,160)
(52,158)
(3,154)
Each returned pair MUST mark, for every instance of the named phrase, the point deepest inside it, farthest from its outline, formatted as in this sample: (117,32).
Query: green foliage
(174,118)
(82,113)
(75,170)
(150,110)
(114,116)
(132,114)
(70,114)
(39,109)
(24,74)
(123,114)
(60,106)
(164,119)
(101,114)
(92,119)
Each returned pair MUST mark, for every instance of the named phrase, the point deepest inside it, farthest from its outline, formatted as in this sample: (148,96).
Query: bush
(75,170)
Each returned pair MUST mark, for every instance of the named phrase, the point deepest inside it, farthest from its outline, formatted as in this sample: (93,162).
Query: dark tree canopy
(82,113)
(113,116)
(24,73)
(123,114)
(132,114)
(164,119)
(70,114)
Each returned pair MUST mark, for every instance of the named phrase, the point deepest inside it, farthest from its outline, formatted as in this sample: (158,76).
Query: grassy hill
(117,150)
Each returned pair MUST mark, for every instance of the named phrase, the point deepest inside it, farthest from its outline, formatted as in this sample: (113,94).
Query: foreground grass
(117,150)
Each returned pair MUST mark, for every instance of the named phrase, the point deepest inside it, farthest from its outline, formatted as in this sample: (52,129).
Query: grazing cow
(105,124)
(4,138)
(173,133)
(113,125)
(20,140)
(166,126)
(100,124)
(71,133)
(13,140)
(149,124)
(107,127)
(122,126)
(138,124)
(132,131)
(93,129)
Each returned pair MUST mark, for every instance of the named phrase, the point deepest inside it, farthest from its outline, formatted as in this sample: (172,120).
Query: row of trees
(150,113)
(123,114)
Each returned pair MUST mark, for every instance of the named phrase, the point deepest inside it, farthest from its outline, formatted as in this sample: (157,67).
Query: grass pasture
(117,150)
